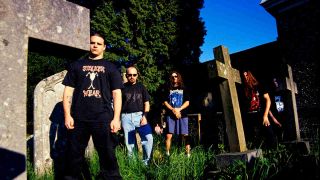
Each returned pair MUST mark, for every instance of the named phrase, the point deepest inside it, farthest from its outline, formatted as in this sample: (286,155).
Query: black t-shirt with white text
(93,82)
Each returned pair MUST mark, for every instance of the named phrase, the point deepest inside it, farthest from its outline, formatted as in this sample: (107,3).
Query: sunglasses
(129,75)
(174,76)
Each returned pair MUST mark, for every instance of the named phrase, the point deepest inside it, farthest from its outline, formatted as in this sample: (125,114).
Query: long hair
(179,78)
(250,83)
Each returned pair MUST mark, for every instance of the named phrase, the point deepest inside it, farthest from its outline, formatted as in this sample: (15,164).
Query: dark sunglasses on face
(174,76)
(129,75)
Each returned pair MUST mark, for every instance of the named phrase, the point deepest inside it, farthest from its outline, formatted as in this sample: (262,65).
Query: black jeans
(255,132)
(104,142)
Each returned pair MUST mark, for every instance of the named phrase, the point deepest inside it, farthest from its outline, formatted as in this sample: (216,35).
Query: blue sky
(236,24)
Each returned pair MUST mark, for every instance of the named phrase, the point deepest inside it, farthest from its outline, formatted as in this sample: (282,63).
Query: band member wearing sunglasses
(176,103)
(135,101)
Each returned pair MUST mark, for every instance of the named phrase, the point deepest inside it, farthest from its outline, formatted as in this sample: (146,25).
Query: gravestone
(194,128)
(49,130)
(55,21)
(292,87)
(221,68)
(299,145)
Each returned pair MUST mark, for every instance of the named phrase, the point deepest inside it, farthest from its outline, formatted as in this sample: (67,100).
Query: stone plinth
(224,160)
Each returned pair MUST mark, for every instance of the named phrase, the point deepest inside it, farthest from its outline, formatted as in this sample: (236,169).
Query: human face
(97,47)
(245,74)
(275,82)
(174,77)
(132,75)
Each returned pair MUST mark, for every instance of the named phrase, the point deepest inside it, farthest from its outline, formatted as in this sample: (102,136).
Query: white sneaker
(168,153)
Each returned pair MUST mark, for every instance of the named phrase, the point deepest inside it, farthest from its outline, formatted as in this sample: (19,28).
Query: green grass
(276,163)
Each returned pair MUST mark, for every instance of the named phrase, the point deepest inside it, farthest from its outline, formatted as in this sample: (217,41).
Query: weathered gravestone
(302,146)
(292,87)
(49,130)
(55,21)
(221,68)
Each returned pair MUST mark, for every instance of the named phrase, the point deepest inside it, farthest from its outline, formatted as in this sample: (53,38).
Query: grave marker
(221,67)
(292,87)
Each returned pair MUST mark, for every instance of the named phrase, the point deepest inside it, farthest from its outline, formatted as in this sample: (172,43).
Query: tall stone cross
(56,21)
(292,87)
(221,67)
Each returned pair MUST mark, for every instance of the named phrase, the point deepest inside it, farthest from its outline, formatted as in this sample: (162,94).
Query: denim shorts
(178,126)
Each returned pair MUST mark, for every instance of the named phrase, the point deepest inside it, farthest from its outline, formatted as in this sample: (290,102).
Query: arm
(168,105)
(145,112)
(115,124)
(177,111)
(184,105)
(274,119)
(266,121)
(67,100)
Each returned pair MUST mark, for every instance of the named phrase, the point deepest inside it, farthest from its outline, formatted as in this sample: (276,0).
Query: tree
(190,34)
(140,32)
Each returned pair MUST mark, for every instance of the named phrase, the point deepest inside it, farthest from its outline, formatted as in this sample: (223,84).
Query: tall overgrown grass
(275,163)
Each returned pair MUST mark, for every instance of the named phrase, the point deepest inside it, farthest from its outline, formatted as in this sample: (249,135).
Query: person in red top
(256,123)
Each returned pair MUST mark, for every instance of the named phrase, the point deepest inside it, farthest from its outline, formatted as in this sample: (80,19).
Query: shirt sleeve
(186,95)
(146,95)
(69,79)
(115,78)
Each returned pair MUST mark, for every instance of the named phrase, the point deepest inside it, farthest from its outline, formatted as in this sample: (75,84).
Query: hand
(266,121)
(69,122)
(177,112)
(143,121)
(178,115)
(115,126)
(158,130)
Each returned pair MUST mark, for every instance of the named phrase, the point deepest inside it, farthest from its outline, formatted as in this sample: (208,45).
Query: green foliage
(176,166)
(31,172)
(274,164)
(139,32)
(40,67)
(265,167)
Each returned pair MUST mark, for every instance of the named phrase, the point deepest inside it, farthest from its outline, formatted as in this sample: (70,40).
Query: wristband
(145,114)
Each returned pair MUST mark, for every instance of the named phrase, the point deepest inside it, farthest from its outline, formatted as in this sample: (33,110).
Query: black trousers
(256,133)
(104,142)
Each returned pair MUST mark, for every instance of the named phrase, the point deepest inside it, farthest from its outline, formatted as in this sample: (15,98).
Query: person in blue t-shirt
(176,103)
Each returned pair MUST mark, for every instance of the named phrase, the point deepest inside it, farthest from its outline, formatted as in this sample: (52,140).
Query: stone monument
(55,21)
(221,68)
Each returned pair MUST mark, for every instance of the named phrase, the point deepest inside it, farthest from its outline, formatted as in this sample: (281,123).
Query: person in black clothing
(256,123)
(92,106)
(135,107)
(278,108)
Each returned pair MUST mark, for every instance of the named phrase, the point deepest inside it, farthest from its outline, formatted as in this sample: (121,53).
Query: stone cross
(292,87)
(221,67)
(55,21)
